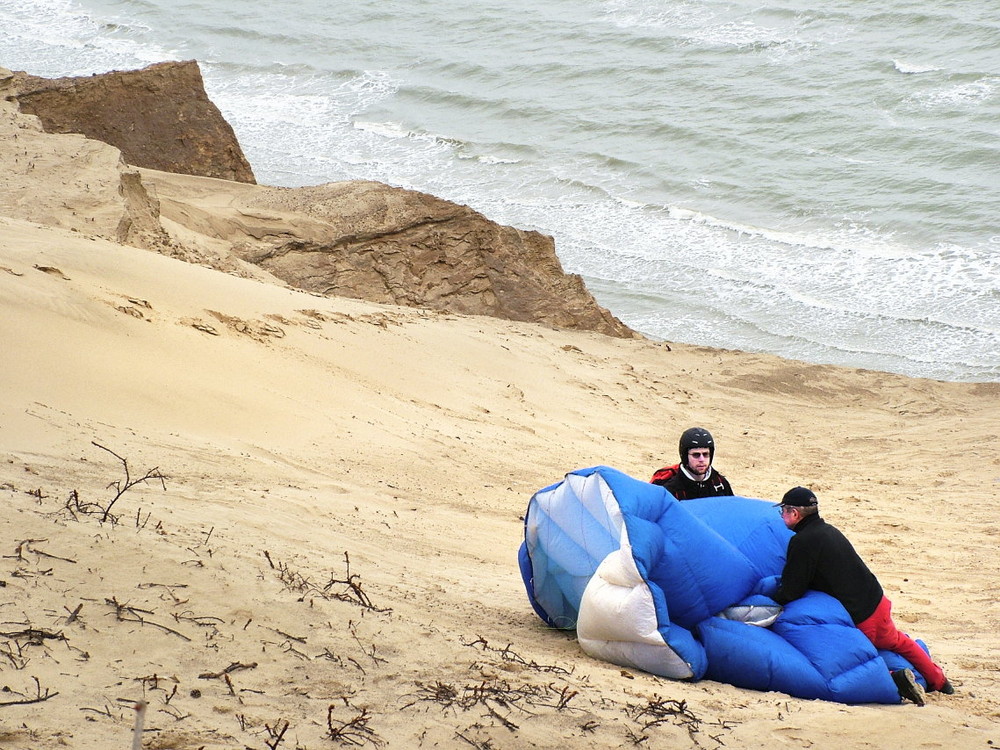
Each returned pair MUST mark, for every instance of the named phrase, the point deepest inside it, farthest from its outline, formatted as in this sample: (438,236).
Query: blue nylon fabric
(698,558)
(527,575)
(818,626)
(691,551)
(688,647)
(753,531)
(673,547)
(757,658)
(567,534)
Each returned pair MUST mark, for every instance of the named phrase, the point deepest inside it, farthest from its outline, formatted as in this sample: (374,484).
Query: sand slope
(330,558)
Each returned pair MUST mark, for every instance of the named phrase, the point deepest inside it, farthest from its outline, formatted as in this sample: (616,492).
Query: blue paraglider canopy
(679,590)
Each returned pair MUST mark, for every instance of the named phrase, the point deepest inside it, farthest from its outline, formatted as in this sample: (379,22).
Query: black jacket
(683,487)
(821,558)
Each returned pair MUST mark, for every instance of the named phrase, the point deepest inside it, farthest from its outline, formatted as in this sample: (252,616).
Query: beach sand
(290,521)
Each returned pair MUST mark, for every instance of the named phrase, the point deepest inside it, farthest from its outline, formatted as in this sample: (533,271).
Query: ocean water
(819,180)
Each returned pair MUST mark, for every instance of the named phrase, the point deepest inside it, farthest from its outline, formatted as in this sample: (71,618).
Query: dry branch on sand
(75,505)
(342,589)
(353,730)
(25,699)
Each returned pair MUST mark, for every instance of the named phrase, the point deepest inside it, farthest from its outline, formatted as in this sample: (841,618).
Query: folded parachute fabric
(679,590)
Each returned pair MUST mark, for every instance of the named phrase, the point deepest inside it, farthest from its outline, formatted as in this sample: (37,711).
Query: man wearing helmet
(693,476)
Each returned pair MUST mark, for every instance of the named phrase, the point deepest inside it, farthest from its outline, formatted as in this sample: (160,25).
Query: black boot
(907,686)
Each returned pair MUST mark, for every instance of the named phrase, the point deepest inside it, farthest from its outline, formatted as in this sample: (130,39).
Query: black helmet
(696,437)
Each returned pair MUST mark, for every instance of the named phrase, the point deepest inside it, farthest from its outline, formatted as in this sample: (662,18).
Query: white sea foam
(904,66)
(384,129)
(61,37)
(968,93)
(643,15)
(743,34)
(495,160)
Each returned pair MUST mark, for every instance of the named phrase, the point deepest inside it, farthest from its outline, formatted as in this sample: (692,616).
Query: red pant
(882,631)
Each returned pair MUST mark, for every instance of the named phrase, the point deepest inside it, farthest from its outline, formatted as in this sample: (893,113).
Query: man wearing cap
(821,558)
(694,476)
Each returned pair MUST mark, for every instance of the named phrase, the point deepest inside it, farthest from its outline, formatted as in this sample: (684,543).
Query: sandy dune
(329,557)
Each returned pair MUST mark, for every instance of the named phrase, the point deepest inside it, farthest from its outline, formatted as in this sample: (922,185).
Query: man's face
(699,460)
(789,515)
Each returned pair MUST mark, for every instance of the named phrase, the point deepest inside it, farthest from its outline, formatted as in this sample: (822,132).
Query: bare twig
(342,589)
(169,588)
(39,697)
(25,545)
(123,486)
(17,660)
(352,592)
(74,614)
(506,654)
(496,696)
(275,733)
(122,609)
(75,505)
(565,696)
(33,636)
(40,553)
(234,667)
(105,712)
(299,638)
(152,682)
(177,714)
(659,711)
(369,652)
(354,731)
(484,745)
(205,621)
